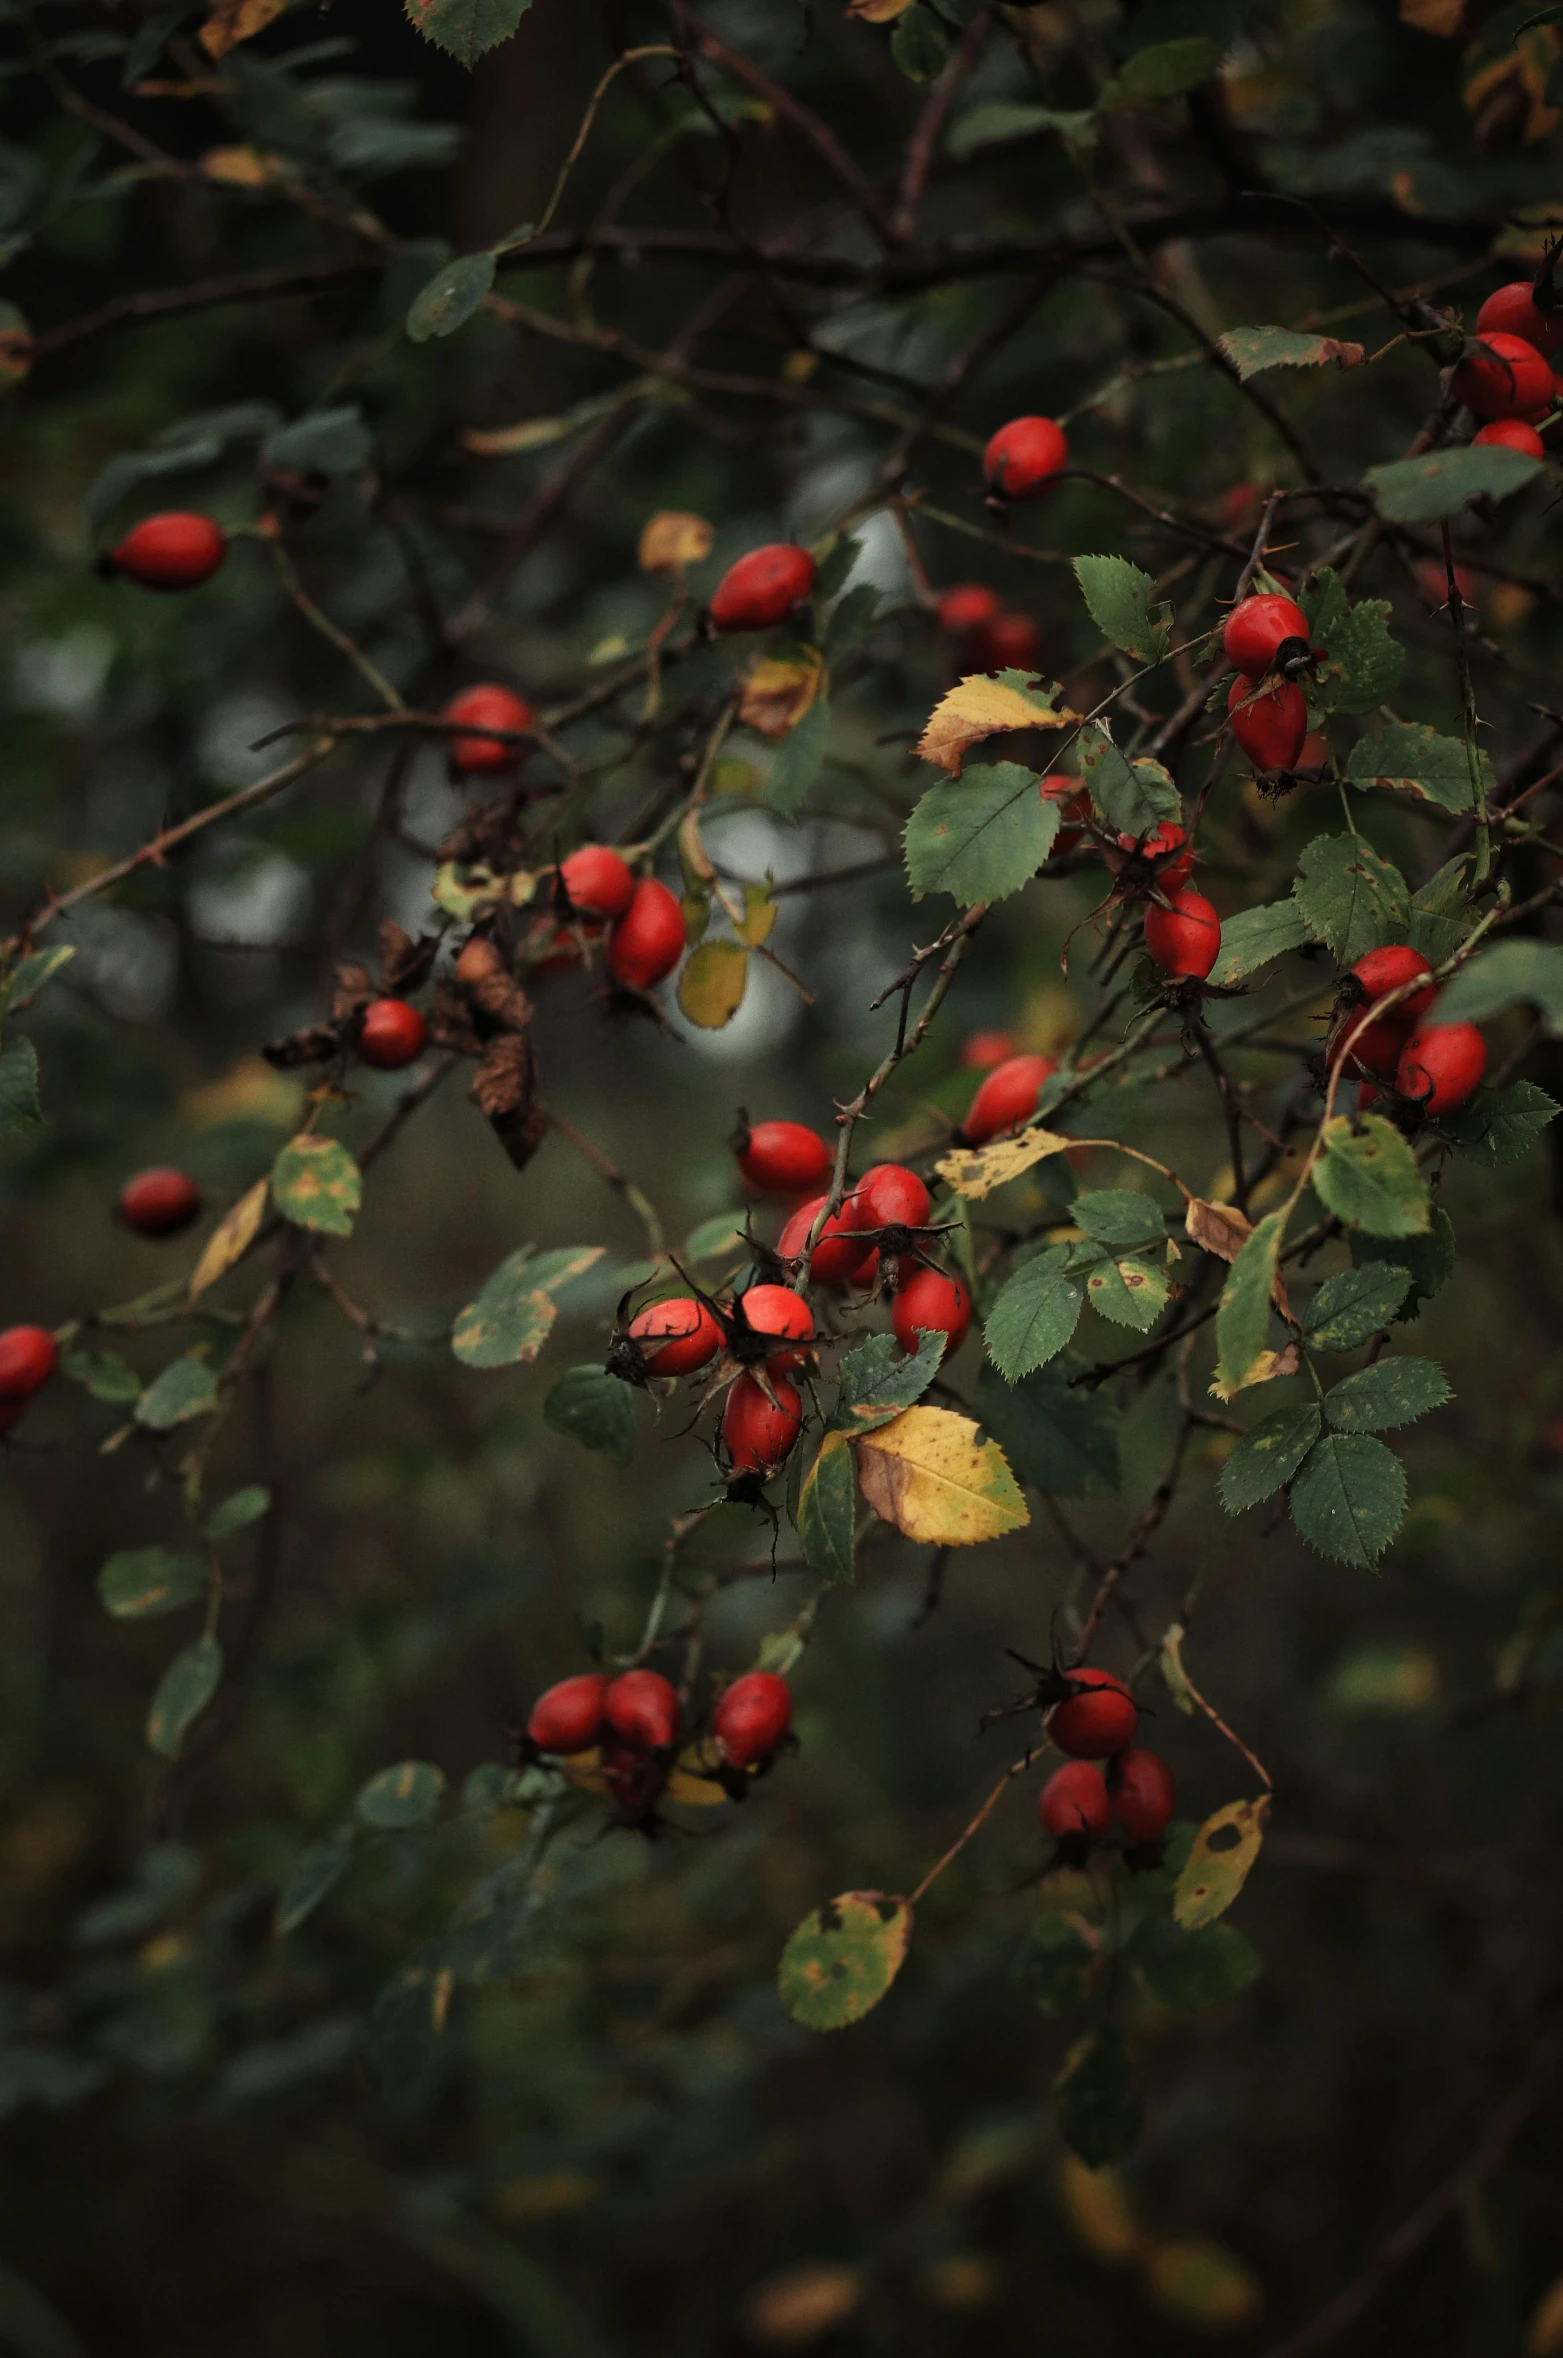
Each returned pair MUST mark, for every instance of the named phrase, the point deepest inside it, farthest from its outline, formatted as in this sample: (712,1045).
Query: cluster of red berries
(28,1357)
(629,1727)
(1506,374)
(983,634)
(1432,1066)
(1097,1719)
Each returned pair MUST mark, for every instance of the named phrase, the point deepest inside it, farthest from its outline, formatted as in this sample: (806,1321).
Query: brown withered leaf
(312,1045)
(233,21)
(488,833)
(877,12)
(451,1024)
(1265,1369)
(500,998)
(673,539)
(776,695)
(505,1089)
(1446,18)
(980,707)
(354,988)
(405,963)
(1223,1230)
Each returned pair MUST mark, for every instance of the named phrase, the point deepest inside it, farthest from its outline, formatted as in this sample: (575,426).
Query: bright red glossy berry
(1511,434)
(1074,1801)
(763,587)
(1441,1064)
(27,1360)
(1262,631)
(391,1034)
(171,552)
(597,881)
(966,608)
(776,1311)
(783,1158)
(1383,971)
(890,1196)
(569,1717)
(159,1202)
(1142,1791)
(981,1051)
(759,1434)
(751,1718)
(1269,719)
(1007,1099)
(675,1336)
(1023,457)
(1185,938)
(1166,850)
(486,706)
(931,1302)
(841,1251)
(642,1707)
(1074,807)
(1096,1721)
(648,940)
(1503,376)
(1513,311)
(1376,1050)
(1010,642)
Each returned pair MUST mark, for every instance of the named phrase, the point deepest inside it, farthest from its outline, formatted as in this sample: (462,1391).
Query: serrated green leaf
(826,1518)
(1348,1498)
(451,297)
(1118,596)
(998,121)
(1133,797)
(1368,1177)
(841,1960)
(1193,1971)
(1389,1393)
(1130,1293)
(1497,1126)
(1430,1259)
(1121,1217)
(1254,936)
(1352,1307)
(466,28)
(186,1388)
(1251,350)
(1416,759)
(1422,490)
(1351,899)
(1268,1455)
(1034,1315)
(1359,666)
(799,759)
(1165,70)
(920,43)
(1219,1861)
(1243,1315)
(1059,1437)
(238,1511)
(980,837)
(316,1184)
(513,1316)
(183,1692)
(325,442)
(1440,912)
(1502,976)
(20,1106)
(140,1581)
(27,977)
(314,1873)
(878,1380)
(406,1795)
(107,1377)
(1100,2106)
(595,1409)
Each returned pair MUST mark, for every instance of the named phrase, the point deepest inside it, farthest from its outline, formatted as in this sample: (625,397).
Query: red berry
(1383,971)
(1442,1063)
(751,1717)
(1185,938)
(1074,1801)
(1007,1099)
(159,1202)
(568,1717)
(642,1707)
(840,1252)
(980,1051)
(933,1302)
(1376,1050)
(1023,457)
(648,940)
(391,1034)
(1098,1719)
(783,1158)
(1510,434)
(763,587)
(27,1359)
(1074,807)
(966,608)
(1512,311)
(685,1330)
(777,1311)
(1010,642)
(1260,631)
(1168,851)
(171,552)
(1269,721)
(597,881)
(1142,1794)
(1503,377)
(487,706)
(759,1436)
(890,1196)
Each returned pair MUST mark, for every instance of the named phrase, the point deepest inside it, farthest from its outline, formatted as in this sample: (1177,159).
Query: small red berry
(1502,376)
(1023,457)
(1007,1099)
(27,1360)
(931,1302)
(1261,632)
(391,1034)
(1185,938)
(783,1158)
(171,552)
(751,1717)
(775,1310)
(597,881)
(1513,311)
(568,1718)
(1074,807)
(1010,642)
(1100,1718)
(159,1202)
(890,1196)
(487,706)
(1166,850)
(648,940)
(758,1434)
(1376,1050)
(642,1707)
(840,1253)
(966,608)
(1442,1063)
(1074,1801)
(1143,1793)
(981,1051)
(1382,971)
(676,1336)
(1509,434)
(763,587)
(1269,720)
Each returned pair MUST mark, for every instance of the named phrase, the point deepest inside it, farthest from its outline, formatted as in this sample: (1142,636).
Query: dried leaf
(711,987)
(877,12)
(353,988)
(505,1078)
(312,1045)
(975,1171)
(404,963)
(233,21)
(240,167)
(673,539)
(1263,1370)
(777,694)
(930,1474)
(1217,1228)
(230,1240)
(980,707)
(758,922)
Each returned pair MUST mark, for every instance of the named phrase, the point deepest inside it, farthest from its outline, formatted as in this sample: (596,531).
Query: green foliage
(452,297)
(982,837)
(594,1408)
(1391,1392)
(1348,1498)
(826,1513)
(1368,1177)
(1351,1308)
(1352,900)
(1438,484)
(1118,596)
(1243,1320)
(841,1960)
(513,1316)
(1035,1315)
(183,1692)
(143,1580)
(1268,1455)
(1100,2104)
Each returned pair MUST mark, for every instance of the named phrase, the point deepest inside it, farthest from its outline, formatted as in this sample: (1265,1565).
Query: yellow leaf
(672,540)
(240,167)
(1544,2334)
(526,434)
(233,21)
(1223,1230)
(929,1474)
(711,987)
(877,12)
(1174,1677)
(1096,2204)
(977,1170)
(801,2305)
(776,695)
(231,1239)
(693,1779)
(979,707)
(1216,1869)
(1203,2283)
(1264,1370)
(759,917)
(250,1091)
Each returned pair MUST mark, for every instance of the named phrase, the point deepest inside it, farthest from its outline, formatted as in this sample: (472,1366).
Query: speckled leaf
(841,1960)
(316,1184)
(514,1314)
(1217,1867)
(931,1474)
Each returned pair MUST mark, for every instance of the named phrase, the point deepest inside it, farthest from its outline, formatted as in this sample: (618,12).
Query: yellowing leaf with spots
(711,987)
(977,1170)
(930,1474)
(841,1960)
(1216,1869)
(982,707)
(777,695)
(317,1184)
(672,540)
(230,1240)
(233,21)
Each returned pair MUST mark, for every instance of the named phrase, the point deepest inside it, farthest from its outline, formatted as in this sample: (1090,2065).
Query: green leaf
(1035,1314)
(851,620)
(1254,349)
(406,1795)
(316,1184)
(1416,758)
(1243,1316)
(997,121)
(1193,1971)
(1348,1498)
(1133,797)
(826,1517)
(1440,912)
(1499,977)
(1130,1293)
(186,1388)
(238,1511)
(877,1380)
(1368,1177)
(1254,936)
(1421,490)
(140,1581)
(1353,900)
(21,986)
(1430,1259)
(920,43)
(1059,1437)
(1391,1392)
(107,1377)
(1120,1216)
(980,837)
(326,442)
(1118,596)
(1360,664)
(20,1107)
(1349,1309)
(404,2028)
(314,1873)
(841,1960)
(183,1692)
(1058,1966)
(466,28)
(1100,2107)
(514,1314)
(1268,1455)
(716,1239)
(595,1409)
(451,297)
(1165,70)
(1497,1126)
(799,760)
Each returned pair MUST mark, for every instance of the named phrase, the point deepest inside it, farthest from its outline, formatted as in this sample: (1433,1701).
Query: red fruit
(172,552)
(1010,642)
(391,1034)
(840,1252)
(1074,807)
(1377,1049)
(1074,1801)
(982,1050)
(597,881)
(1142,1794)
(758,1435)
(1510,434)
(642,1707)
(751,1717)
(648,941)
(1185,938)
(1512,311)
(1383,971)
(1098,1719)
(487,706)
(1260,632)
(1442,1063)
(1007,1099)
(966,608)
(776,1310)
(890,1196)
(685,1330)
(783,1158)
(568,1717)
(1023,457)
(763,587)
(1270,722)
(27,1360)
(932,1302)
(159,1202)
(868,1275)
(1168,850)
(1503,377)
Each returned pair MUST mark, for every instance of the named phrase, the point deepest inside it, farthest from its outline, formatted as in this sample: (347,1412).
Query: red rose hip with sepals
(674,1337)
(1023,457)
(931,1302)
(391,1034)
(1376,1049)
(1269,719)
(782,1158)
(1502,376)
(841,1251)
(890,1196)
(1510,434)
(641,1707)
(486,706)
(648,940)
(772,1315)
(763,587)
(1381,971)
(1074,810)
(759,1433)
(1166,851)
(1098,1718)
(159,1202)
(1073,1804)
(596,881)
(1007,1099)
(1142,1793)
(751,1718)
(1441,1065)
(569,1717)
(28,1355)
(1265,633)
(1514,311)
(176,551)
(1185,937)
